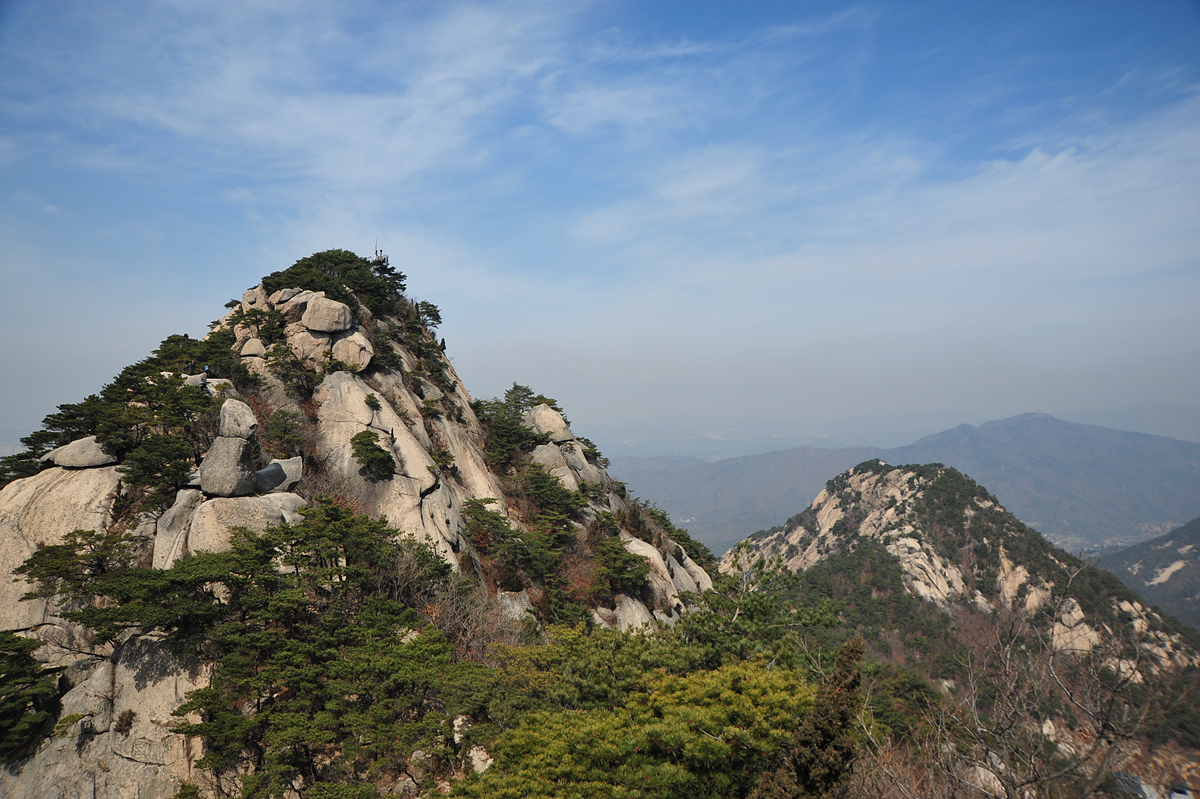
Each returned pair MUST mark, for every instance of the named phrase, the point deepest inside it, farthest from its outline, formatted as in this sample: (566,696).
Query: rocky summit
(958,548)
(321,387)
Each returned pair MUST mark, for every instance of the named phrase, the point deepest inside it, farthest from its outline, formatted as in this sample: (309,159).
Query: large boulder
(279,476)
(353,350)
(327,316)
(82,454)
(294,306)
(253,348)
(550,458)
(237,420)
(254,299)
(210,523)
(283,295)
(306,345)
(544,419)
(227,470)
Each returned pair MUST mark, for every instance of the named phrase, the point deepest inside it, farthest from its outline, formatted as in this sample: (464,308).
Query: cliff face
(378,418)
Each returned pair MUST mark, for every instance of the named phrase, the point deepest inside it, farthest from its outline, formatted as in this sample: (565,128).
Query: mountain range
(1085,487)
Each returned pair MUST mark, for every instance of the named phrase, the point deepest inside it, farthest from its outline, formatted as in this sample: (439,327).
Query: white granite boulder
(293,307)
(327,316)
(210,523)
(170,543)
(308,346)
(283,295)
(82,454)
(544,419)
(237,420)
(353,350)
(254,348)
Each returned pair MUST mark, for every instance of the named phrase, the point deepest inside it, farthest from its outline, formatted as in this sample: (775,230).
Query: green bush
(340,272)
(28,696)
(376,462)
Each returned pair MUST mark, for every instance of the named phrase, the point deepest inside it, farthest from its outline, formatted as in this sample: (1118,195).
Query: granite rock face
(327,316)
(121,696)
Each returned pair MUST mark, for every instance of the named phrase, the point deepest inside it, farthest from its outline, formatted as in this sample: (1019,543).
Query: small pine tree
(824,748)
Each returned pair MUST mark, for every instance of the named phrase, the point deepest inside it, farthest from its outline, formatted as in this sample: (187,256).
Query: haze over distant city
(661,213)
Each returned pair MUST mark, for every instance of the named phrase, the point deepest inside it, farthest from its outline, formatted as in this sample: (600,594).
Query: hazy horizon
(686,214)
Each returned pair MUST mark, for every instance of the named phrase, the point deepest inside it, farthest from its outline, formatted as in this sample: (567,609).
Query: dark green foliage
(372,402)
(624,571)
(268,326)
(282,436)
(555,504)
(385,356)
(160,465)
(376,462)
(484,527)
(28,696)
(432,409)
(506,436)
(339,273)
(824,747)
(749,614)
(429,314)
(299,381)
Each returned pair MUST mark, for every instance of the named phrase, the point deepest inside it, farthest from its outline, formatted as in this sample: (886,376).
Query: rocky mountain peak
(958,549)
(324,380)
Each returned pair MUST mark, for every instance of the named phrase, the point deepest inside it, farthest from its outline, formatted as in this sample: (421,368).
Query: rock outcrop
(116,716)
(956,548)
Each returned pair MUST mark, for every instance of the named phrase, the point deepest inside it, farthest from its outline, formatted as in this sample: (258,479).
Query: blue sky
(655,211)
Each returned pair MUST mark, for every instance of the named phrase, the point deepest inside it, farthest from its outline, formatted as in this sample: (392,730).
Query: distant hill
(943,584)
(1083,486)
(1165,571)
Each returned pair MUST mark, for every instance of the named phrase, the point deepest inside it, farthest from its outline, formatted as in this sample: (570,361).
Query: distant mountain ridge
(1085,487)
(1164,570)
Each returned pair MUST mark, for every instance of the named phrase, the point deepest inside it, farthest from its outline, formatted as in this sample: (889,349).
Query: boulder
(327,316)
(254,348)
(171,542)
(254,298)
(237,420)
(585,471)
(513,604)
(353,350)
(283,295)
(551,459)
(82,454)
(210,523)
(294,307)
(544,419)
(227,470)
(279,476)
(307,346)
